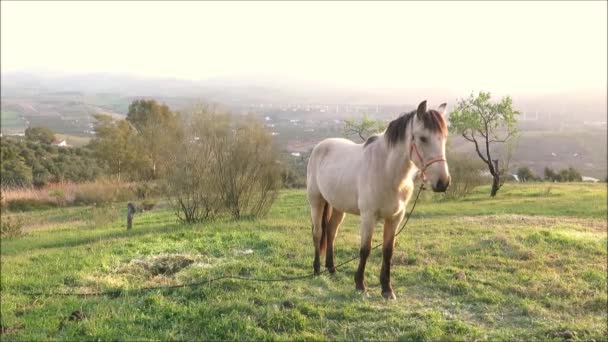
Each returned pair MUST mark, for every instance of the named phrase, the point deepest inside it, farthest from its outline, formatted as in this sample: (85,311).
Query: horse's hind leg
(332,230)
(317,207)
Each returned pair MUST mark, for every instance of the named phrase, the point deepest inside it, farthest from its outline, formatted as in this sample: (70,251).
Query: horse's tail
(324,221)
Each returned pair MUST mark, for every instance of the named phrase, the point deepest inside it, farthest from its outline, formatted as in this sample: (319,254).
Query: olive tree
(486,124)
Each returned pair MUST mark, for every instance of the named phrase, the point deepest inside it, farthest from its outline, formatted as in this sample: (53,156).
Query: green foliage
(293,172)
(485,124)
(363,128)
(159,131)
(59,196)
(466,175)
(564,175)
(26,163)
(148,204)
(43,135)
(11,227)
(220,166)
(117,148)
(526,175)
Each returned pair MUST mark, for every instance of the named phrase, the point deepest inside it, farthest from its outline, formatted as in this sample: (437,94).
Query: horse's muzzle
(442,184)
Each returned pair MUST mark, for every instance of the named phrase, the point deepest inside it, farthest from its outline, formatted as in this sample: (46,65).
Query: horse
(374,180)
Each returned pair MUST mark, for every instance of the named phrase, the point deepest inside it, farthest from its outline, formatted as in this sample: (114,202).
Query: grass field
(527,265)
(11,122)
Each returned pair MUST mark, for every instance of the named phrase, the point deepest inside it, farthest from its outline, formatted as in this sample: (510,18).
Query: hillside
(527,265)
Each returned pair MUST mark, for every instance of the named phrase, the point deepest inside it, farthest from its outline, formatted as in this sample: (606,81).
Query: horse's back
(332,173)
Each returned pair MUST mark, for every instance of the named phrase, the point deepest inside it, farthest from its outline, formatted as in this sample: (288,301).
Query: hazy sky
(502,46)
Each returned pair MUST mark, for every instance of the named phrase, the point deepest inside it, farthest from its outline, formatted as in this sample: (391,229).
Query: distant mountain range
(590,105)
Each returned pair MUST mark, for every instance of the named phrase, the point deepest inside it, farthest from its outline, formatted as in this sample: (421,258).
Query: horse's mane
(370,140)
(396,130)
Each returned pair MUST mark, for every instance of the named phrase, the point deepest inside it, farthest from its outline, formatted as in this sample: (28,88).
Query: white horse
(374,180)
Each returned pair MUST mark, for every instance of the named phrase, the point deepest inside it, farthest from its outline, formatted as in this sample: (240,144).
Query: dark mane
(432,120)
(395,132)
(370,140)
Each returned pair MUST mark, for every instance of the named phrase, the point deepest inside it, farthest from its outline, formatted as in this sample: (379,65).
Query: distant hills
(570,125)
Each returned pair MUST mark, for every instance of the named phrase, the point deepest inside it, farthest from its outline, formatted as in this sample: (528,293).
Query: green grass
(527,265)
(11,122)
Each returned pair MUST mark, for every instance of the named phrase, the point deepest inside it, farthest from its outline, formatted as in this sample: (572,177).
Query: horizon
(359,48)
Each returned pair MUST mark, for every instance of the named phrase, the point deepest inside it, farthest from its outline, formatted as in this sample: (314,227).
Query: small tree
(525,174)
(115,144)
(486,124)
(363,128)
(250,170)
(193,178)
(43,135)
(550,175)
(159,130)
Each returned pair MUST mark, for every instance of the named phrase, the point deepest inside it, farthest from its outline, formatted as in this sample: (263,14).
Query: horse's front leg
(368,221)
(390,227)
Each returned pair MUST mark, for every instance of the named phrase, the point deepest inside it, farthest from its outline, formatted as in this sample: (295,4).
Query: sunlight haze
(511,47)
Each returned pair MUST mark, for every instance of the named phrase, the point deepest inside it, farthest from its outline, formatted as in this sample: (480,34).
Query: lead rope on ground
(215,279)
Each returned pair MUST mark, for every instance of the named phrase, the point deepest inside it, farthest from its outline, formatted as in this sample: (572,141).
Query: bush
(565,175)
(192,181)
(148,204)
(466,173)
(145,190)
(249,170)
(218,168)
(526,175)
(59,196)
(11,227)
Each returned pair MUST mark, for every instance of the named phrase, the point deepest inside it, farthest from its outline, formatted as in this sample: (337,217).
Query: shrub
(192,181)
(59,196)
(565,175)
(249,170)
(221,168)
(148,204)
(145,190)
(526,175)
(466,173)
(10,227)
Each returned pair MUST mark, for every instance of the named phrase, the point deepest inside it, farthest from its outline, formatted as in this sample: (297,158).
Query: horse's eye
(423,139)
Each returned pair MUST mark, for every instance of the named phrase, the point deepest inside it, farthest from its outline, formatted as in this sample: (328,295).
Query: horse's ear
(421,109)
(441,108)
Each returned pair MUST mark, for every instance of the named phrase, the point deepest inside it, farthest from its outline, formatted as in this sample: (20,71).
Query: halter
(414,148)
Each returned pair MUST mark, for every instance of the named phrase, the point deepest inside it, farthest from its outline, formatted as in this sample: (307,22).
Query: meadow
(529,264)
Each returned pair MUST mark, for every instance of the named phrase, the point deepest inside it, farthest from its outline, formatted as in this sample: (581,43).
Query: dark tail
(324,220)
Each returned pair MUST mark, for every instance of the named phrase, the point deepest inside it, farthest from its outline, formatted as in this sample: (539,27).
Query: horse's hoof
(360,288)
(389,295)
(363,293)
(331,270)
(317,271)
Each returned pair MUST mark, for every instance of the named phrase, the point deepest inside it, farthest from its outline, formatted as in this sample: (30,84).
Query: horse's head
(427,146)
